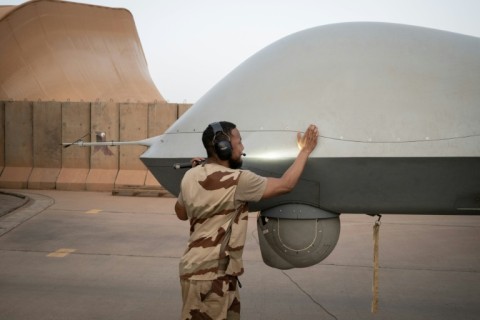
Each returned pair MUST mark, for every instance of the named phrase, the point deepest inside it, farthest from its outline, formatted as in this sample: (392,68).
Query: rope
(376,229)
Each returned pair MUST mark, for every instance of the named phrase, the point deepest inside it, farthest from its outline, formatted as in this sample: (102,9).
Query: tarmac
(91,255)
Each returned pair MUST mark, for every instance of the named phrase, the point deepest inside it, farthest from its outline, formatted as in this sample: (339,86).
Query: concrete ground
(91,255)
(10,201)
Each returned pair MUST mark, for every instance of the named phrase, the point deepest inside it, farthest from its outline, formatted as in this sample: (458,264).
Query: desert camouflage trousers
(211,300)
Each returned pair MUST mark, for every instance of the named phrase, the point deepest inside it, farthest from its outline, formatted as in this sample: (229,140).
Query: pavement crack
(309,295)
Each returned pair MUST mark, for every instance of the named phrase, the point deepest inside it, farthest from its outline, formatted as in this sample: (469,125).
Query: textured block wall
(32,133)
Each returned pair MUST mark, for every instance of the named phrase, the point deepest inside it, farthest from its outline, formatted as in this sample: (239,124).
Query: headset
(223,148)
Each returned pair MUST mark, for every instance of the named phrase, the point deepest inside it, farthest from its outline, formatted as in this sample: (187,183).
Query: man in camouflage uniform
(214,197)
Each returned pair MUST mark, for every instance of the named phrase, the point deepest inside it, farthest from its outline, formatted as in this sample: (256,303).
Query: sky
(190,45)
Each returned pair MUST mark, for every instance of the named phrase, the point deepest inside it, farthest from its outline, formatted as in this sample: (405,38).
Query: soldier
(214,197)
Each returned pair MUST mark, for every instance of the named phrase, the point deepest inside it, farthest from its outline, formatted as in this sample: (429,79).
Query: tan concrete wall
(47,153)
(18,134)
(104,160)
(133,127)
(182,108)
(31,134)
(75,161)
(160,117)
(18,145)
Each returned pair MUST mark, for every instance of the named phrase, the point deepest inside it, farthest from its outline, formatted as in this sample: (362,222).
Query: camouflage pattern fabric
(219,299)
(215,197)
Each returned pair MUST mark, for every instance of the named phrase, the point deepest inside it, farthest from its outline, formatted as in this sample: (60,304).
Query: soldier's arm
(285,184)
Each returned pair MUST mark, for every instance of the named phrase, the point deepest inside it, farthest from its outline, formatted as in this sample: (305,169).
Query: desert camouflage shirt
(213,195)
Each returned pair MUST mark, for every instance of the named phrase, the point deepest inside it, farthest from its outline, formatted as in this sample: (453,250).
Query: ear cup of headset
(223,148)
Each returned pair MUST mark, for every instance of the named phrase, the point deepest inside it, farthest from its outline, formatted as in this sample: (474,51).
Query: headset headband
(217,128)
(223,148)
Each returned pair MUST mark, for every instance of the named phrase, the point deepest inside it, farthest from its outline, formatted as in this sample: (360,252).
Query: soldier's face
(237,149)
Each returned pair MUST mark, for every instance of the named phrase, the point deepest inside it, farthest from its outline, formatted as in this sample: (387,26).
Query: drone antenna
(78,140)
